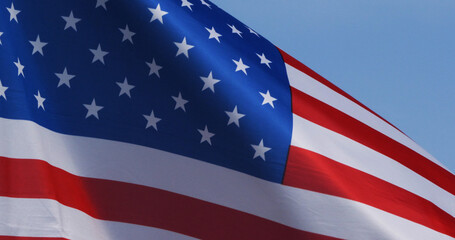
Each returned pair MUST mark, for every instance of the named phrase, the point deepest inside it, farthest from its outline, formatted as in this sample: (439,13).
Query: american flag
(170,119)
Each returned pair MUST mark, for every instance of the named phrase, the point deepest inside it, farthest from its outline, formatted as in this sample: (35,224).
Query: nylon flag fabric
(170,119)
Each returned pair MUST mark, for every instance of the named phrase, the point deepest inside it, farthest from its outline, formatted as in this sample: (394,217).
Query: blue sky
(396,57)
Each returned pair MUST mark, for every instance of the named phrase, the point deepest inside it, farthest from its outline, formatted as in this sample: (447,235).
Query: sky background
(396,57)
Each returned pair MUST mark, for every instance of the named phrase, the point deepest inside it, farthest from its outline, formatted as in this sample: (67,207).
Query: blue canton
(179,76)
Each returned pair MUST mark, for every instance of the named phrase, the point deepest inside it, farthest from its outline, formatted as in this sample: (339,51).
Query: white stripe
(314,88)
(301,209)
(48,218)
(337,147)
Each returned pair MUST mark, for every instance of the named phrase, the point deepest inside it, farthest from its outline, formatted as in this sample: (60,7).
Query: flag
(170,119)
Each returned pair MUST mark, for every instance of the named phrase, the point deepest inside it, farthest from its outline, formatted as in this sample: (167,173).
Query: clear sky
(396,57)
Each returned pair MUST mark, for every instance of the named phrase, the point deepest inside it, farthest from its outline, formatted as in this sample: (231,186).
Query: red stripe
(311,171)
(30,238)
(331,118)
(131,203)
(308,71)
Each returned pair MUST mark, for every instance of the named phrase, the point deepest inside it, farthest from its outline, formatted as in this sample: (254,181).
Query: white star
(214,34)
(20,68)
(40,100)
(234,116)
(152,121)
(38,46)
(71,21)
(92,109)
(185,3)
(206,4)
(125,88)
(64,78)
(101,3)
(157,13)
(268,98)
(2,90)
(98,54)
(240,66)
(13,13)
(127,34)
(206,135)
(183,47)
(180,102)
(209,82)
(264,60)
(260,150)
(235,30)
(1,33)
(154,68)
(253,32)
